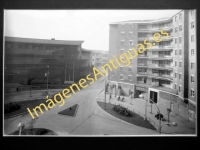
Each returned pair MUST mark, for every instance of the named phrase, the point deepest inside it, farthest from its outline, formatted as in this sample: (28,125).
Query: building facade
(169,65)
(27,59)
(99,58)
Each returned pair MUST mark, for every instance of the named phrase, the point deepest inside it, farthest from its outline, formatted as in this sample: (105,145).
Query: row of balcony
(157,29)
(159,66)
(156,57)
(155,75)
(150,39)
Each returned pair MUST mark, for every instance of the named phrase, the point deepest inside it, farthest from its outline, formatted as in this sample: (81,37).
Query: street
(89,120)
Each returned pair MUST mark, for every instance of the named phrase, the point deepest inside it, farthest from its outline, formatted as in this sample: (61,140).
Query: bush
(10,107)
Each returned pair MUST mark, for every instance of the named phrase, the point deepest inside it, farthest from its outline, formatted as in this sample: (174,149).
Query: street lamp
(47,79)
(131,97)
(110,88)
(105,94)
(142,96)
(20,126)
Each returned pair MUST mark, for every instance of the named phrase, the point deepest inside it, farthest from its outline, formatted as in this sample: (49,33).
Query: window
(175,63)
(192,25)
(122,51)
(180,75)
(154,53)
(180,28)
(175,75)
(122,25)
(121,68)
(180,64)
(192,38)
(121,77)
(180,39)
(130,34)
(192,52)
(192,12)
(192,92)
(131,60)
(130,77)
(180,51)
(176,19)
(122,34)
(180,16)
(154,80)
(131,26)
(122,42)
(130,42)
(176,41)
(130,68)
(179,89)
(175,85)
(176,29)
(176,52)
(192,79)
(139,79)
(192,65)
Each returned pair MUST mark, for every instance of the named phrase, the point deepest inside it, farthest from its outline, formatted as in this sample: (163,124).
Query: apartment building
(169,65)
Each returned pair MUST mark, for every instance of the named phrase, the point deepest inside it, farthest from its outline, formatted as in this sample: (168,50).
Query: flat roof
(151,21)
(42,41)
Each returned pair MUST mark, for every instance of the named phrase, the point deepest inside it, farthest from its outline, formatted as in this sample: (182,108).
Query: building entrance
(153,96)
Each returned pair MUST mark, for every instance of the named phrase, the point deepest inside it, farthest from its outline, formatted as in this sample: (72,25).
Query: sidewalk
(25,95)
(138,106)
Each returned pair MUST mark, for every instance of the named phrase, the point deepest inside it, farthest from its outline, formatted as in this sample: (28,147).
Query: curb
(123,120)
(15,115)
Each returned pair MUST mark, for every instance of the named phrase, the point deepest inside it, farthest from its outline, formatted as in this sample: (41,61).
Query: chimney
(52,38)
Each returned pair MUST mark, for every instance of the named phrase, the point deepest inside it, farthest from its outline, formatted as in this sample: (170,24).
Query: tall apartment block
(169,65)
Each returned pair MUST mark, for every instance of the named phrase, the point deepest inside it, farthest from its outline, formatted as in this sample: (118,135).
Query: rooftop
(42,41)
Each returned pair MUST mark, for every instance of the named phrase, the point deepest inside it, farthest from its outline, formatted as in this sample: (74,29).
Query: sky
(90,26)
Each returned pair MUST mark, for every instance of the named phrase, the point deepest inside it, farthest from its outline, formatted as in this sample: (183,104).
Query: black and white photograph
(99,72)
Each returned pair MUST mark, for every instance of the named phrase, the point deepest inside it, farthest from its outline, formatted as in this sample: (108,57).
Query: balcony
(158,29)
(142,56)
(143,30)
(142,38)
(142,74)
(161,57)
(161,48)
(170,37)
(142,65)
(161,76)
(161,67)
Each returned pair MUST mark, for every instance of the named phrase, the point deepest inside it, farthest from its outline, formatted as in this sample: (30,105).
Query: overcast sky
(90,26)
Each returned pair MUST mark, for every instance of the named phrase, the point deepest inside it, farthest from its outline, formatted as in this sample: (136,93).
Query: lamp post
(20,126)
(110,88)
(105,94)
(145,116)
(131,97)
(159,116)
(47,79)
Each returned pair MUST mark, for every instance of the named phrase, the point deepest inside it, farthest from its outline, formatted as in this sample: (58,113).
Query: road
(89,120)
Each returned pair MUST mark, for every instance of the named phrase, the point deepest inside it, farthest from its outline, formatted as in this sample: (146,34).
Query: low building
(26,59)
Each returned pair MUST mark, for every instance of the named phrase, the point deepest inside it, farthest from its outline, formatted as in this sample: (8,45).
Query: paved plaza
(90,118)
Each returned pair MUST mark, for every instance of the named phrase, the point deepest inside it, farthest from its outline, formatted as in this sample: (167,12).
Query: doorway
(153,96)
